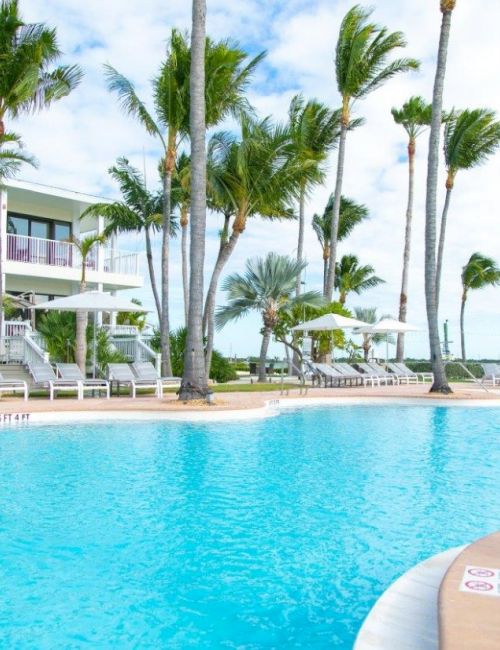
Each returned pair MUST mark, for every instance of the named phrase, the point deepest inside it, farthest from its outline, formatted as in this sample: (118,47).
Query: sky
(79,138)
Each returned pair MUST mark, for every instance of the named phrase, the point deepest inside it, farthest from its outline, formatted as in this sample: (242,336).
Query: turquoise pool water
(277,533)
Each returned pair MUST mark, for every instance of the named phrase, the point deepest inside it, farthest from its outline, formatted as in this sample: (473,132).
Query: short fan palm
(268,287)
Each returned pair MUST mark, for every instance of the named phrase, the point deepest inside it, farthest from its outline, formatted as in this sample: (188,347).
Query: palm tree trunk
(442,236)
(225,252)
(185,265)
(440,382)
(326,255)
(300,242)
(81,329)
(266,338)
(462,329)
(330,275)
(403,298)
(166,367)
(194,383)
(151,269)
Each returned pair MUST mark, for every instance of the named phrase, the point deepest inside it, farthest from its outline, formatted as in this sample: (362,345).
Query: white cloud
(78,139)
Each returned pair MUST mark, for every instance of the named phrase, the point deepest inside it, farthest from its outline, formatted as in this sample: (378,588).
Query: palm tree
(361,66)
(85,247)
(28,82)
(369,315)
(440,382)
(139,211)
(254,175)
(414,116)
(181,192)
(479,272)
(267,286)
(351,213)
(228,74)
(314,130)
(470,137)
(350,276)
(194,381)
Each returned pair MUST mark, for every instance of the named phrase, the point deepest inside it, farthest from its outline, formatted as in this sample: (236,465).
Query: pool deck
(245,401)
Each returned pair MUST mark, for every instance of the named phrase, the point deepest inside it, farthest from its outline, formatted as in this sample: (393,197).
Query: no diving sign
(481,580)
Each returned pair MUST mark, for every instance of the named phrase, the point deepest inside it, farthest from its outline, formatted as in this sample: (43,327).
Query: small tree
(267,287)
(479,272)
(351,277)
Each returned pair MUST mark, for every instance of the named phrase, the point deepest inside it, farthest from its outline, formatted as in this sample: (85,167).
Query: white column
(3,248)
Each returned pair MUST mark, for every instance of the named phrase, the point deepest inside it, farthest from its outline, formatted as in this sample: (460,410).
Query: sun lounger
(382,377)
(423,375)
(381,372)
(13,385)
(362,377)
(122,374)
(491,373)
(71,372)
(324,372)
(44,375)
(144,370)
(404,377)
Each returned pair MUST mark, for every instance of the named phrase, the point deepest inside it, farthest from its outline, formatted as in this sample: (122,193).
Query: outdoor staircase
(16,371)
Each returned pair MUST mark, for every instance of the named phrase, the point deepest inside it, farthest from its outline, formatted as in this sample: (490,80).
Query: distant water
(277,533)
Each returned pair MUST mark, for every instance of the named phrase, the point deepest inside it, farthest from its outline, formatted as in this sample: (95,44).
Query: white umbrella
(329,322)
(387,326)
(93,301)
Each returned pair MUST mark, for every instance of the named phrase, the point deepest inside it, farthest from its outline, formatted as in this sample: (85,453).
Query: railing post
(158,361)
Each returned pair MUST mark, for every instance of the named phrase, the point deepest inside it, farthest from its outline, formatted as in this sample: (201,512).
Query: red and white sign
(481,580)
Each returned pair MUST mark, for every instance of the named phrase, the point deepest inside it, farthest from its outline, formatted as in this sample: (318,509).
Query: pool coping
(271,408)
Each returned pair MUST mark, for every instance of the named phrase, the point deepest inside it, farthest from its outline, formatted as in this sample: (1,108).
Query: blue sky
(78,139)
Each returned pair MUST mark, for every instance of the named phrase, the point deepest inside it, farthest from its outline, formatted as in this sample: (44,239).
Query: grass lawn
(244,388)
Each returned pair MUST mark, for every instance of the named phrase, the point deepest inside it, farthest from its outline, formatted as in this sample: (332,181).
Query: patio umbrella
(91,301)
(387,326)
(329,322)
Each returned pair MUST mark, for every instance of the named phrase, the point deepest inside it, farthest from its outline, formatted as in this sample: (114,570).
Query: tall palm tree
(139,211)
(414,116)
(440,382)
(194,381)
(85,247)
(267,286)
(351,277)
(254,175)
(470,137)
(181,193)
(314,130)
(228,73)
(479,272)
(361,66)
(29,81)
(351,213)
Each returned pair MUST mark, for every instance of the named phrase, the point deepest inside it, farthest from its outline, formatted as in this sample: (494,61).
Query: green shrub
(454,372)
(220,371)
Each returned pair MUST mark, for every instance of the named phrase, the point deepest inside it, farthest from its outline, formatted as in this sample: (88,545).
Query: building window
(24,224)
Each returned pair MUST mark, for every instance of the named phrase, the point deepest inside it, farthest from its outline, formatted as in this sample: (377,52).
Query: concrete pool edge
(271,408)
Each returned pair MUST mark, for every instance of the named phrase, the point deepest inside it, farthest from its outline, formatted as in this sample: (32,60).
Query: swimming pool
(276,533)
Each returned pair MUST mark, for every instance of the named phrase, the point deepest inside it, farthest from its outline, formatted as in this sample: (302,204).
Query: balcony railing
(35,250)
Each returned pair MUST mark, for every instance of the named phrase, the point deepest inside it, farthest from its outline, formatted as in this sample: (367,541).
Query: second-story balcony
(101,263)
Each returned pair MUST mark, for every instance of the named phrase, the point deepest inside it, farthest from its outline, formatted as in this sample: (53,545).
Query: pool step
(469,598)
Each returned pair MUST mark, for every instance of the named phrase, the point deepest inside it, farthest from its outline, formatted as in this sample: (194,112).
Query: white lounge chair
(362,377)
(122,374)
(44,375)
(144,370)
(13,386)
(382,378)
(491,373)
(423,375)
(326,373)
(403,376)
(381,372)
(71,372)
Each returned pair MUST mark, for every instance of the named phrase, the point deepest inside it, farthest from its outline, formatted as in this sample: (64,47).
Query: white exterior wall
(57,205)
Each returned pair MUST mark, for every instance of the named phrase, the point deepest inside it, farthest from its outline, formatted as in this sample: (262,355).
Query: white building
(40,263)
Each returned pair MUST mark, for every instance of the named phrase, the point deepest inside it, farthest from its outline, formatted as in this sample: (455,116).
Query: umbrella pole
(386,348)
